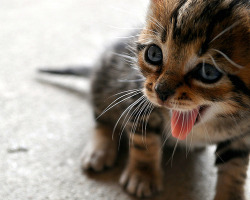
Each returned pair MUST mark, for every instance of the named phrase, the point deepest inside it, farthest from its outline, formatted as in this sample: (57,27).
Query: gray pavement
(45,121)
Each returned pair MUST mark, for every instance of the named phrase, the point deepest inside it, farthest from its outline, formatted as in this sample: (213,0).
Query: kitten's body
(114,75)
(189,33)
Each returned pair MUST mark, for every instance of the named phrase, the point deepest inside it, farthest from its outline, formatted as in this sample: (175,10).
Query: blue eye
(208,73)
(154,55)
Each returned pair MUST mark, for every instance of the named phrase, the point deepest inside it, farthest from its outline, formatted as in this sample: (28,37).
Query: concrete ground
(45,121)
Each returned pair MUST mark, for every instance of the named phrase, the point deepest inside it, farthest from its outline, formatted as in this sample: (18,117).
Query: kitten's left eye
(154,55)
(208,73)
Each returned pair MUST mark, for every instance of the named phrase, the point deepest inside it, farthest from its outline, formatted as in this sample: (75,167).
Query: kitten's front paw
(141,183)
(97,157)
(233,196)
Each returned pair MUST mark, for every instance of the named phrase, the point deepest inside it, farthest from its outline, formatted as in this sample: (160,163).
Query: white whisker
(224,31)
(228,59)
(151,108)
(127,91)
(215,64)
(192,133)
(157,23)
(142,119)
(176,144)
(127,120)
(131,81)
(125,56)
(137,117)
(129,107)
(110,107)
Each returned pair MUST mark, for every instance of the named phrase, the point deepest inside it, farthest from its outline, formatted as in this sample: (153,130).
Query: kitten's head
(195,54)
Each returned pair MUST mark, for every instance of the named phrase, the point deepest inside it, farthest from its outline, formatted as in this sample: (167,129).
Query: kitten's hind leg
(102,150)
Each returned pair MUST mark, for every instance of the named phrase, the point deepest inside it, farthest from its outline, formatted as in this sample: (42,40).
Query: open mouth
(202,111)
(182,122)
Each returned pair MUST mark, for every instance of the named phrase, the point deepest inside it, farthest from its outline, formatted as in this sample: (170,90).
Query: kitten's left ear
(155,7)
(157,1)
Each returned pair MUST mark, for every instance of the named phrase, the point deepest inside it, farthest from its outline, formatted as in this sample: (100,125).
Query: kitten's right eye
(154,55)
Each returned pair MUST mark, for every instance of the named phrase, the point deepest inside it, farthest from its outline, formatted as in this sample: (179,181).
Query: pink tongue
(182,123)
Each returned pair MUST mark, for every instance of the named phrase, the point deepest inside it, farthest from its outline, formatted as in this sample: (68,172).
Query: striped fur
(189,33)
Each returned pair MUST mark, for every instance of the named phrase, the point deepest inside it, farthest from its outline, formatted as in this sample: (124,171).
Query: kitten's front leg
(143,174)
(232,172)
(101,151)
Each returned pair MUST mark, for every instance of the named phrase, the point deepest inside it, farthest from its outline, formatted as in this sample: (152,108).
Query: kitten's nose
(163,92)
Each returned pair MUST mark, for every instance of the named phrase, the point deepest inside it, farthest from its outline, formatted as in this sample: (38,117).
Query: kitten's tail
(69,70)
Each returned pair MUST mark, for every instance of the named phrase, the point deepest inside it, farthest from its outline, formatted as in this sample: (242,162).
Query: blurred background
(45,121)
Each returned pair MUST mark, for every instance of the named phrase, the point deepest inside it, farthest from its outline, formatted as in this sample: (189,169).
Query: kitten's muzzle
(162,92)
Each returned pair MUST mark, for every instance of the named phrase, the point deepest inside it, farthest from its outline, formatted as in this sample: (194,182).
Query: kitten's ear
(156,1)
(156,5)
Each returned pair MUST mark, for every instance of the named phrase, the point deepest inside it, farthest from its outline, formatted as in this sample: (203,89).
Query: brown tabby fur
(189,32)
(125,98)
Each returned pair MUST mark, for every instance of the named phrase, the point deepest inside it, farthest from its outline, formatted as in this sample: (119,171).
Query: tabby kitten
(189,80)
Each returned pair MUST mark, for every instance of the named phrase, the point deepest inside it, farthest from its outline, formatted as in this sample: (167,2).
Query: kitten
(187,72)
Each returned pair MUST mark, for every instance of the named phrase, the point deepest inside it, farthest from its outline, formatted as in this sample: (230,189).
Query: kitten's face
(195,55)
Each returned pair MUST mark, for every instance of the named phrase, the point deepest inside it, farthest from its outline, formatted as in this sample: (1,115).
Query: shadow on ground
(184,176)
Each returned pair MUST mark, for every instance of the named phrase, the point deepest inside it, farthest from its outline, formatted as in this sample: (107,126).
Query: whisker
(135,121)
(167,137)
(228,59)
(124,28)
(176,144)
(151,108)
(118,98)
(138,115)
(127,37)
(110,107)
(192,133)
(224,31)
(131,81)
(215,64)
(123,126)
(147,41)
(130,106)
(130,58)
(188,129)
(179,114)
(157,23)
(142,119)
(134,36)
(124,92)
(168,133)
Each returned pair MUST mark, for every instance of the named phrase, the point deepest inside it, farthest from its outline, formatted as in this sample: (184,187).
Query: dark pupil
(208,72)
(154,55)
